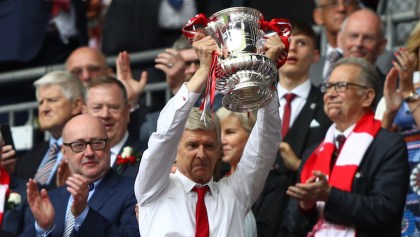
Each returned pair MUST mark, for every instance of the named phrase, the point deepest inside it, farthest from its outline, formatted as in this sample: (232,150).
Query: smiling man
(356,180)
(106,99)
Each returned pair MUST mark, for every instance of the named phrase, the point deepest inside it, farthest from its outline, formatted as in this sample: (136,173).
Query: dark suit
(111,209)
(27,165)
(303,133)
(376,203)
(14,219)
(271,204)
(138,148)
(124,16)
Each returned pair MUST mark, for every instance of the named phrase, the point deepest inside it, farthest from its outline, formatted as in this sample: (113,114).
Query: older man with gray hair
(60,97)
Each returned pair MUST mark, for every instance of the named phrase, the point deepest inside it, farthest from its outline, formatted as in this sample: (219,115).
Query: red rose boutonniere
(127,157)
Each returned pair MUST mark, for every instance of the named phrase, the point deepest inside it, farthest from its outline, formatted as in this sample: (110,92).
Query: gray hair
(182,43)
(381,24)
(247,119)
(368,76)
(208,123)
(70,85)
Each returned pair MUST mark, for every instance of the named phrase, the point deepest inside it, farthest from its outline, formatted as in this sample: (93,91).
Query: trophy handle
(200,21)
(284,29)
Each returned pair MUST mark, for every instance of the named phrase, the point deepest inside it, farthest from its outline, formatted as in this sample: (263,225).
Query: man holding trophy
(189,202)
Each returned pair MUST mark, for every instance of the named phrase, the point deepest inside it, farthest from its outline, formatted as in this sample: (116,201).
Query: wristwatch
(413,96)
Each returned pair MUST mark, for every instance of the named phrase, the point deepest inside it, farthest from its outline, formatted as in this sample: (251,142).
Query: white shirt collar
(301,91)
(189,184)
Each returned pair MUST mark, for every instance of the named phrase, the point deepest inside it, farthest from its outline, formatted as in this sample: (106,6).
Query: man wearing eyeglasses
(96,201)
(356,180)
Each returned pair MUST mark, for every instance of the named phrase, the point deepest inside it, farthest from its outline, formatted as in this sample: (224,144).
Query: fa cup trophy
(242,73)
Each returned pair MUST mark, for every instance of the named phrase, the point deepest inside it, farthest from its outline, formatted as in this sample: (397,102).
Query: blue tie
(176,4)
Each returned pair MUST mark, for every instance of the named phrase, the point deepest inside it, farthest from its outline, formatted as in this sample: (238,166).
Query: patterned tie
(44,171)
(176,4)
(201,220)
(69,223)
(286,113)
(332,58)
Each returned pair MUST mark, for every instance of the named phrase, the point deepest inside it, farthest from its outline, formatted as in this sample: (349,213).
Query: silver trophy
(243,74)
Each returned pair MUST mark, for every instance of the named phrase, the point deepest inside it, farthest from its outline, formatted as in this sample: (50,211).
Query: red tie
(286,114)
(201,220)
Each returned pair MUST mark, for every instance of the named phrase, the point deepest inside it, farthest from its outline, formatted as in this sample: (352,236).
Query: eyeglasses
(334,3)
(339,86)
(97,144)
(189,63)
(90,68)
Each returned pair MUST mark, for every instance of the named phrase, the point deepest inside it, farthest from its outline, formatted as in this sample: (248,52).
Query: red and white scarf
(4,191)
(343,172)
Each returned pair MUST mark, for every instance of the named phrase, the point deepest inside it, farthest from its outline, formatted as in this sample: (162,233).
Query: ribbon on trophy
(240,60)
(283,28)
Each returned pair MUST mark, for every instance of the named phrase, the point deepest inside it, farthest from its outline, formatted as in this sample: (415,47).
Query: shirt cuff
(41,232)
(78,221)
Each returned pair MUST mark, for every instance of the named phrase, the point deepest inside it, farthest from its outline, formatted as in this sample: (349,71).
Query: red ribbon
(189,30)
(59,5)
(283,29)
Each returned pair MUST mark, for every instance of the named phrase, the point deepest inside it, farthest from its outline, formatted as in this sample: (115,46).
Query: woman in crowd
(235,130)
(399,111)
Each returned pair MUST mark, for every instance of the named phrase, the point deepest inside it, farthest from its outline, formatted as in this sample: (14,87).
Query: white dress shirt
(167,205)
(301,92)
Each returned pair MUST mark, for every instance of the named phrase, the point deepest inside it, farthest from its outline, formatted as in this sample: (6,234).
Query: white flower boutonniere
(13,200)
(127,157)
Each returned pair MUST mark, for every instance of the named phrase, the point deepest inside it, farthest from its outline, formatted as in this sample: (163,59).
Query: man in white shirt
(167,202)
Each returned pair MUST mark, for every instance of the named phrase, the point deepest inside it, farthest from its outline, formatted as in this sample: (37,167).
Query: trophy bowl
(242,73)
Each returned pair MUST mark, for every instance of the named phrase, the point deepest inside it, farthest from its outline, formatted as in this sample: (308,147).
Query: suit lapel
(60,200)
(137,148)
(301,125)
(104,190)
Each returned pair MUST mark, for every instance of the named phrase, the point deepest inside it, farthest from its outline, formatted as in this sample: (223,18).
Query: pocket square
(314,124)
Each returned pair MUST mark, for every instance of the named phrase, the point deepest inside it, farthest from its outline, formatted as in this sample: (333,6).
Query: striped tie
(44,171)
(69,223)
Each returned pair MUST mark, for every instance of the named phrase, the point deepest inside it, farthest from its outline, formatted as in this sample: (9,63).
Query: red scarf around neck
(4,191)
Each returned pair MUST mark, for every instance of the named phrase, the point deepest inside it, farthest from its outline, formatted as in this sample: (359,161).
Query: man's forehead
(188,54)
(199,134)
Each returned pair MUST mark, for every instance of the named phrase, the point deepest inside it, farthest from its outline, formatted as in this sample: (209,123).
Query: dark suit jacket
(24,25)
(124,16)
(111,209)
(138,148)
(302,134)
(14,219)
(376,203)
(27,165)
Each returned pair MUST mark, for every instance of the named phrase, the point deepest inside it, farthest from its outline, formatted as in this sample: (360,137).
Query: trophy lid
(236,11)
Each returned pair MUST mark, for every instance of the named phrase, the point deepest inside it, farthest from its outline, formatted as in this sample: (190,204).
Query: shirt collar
(346,133)
(301,91)
(330,49)
(117,148)
(59,141)
(189,184)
